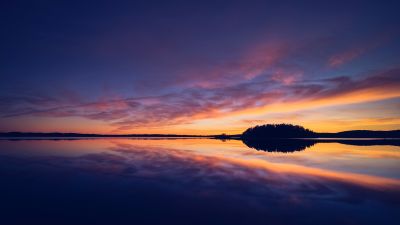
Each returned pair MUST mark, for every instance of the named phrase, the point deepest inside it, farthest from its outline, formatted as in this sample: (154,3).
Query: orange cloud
(232,103)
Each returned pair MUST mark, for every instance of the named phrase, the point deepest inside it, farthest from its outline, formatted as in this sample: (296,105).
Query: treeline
(271,131)
(278,131)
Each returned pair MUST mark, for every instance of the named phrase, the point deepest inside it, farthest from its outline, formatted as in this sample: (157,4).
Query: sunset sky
(198,67)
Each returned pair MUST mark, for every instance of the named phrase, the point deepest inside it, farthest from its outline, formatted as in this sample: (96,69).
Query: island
(268,137)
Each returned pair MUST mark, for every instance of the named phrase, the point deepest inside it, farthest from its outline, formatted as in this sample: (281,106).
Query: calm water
(195,181)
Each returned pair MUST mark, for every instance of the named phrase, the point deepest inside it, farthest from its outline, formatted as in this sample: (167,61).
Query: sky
(198,67)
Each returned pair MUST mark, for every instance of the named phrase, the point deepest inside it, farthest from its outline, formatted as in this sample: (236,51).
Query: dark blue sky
(193,66)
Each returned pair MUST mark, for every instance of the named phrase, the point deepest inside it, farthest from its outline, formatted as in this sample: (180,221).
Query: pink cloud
(251,63)
(286,78)
(184,107)
(345,57)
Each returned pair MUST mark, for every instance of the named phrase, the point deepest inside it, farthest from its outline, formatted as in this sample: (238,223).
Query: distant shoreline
(258,133)
(78,135)
(356,134)
(265,143)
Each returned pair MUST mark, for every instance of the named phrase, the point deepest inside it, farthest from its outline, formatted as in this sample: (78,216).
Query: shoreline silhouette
(290,138)
(267,131)
(268,137)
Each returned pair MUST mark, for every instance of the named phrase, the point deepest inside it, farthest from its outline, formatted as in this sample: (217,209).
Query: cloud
(345,57)
(188,105)
(348,55)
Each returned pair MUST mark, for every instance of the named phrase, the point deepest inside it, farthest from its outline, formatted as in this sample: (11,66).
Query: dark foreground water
(195,181)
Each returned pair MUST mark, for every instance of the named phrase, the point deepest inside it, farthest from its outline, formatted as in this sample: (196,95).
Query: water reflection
(292,145)
(280,145)
(118,181)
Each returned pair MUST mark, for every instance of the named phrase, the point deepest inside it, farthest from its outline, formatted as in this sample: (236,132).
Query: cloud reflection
(125,176)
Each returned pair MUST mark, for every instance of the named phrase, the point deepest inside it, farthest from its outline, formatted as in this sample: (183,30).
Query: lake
(195,181)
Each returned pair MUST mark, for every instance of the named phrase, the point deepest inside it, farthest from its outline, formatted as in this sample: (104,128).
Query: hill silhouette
(362,134)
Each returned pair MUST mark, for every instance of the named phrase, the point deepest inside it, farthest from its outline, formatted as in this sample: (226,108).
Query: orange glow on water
(324,161)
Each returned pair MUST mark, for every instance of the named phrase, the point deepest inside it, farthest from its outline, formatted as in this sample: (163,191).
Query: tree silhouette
(273,131)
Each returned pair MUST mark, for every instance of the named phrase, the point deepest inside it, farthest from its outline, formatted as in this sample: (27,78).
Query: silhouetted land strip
(289,138)
(269,131)
(262,132)
(79,135)
(268,137)
(361,134)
